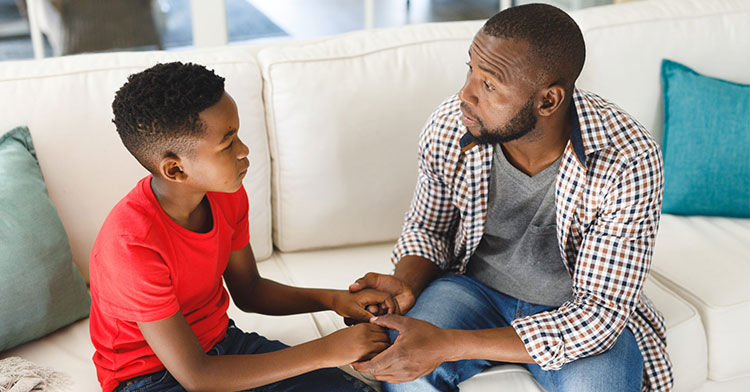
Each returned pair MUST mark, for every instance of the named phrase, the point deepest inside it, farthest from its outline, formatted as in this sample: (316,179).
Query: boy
(158,315)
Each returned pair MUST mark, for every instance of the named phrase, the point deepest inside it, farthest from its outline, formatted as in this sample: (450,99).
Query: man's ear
(551,100)
(171,169)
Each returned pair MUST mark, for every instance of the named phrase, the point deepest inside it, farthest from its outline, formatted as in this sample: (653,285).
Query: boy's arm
(253,293)
(177,347)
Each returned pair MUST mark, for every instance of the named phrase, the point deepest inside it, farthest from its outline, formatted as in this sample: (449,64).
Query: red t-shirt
(145,267)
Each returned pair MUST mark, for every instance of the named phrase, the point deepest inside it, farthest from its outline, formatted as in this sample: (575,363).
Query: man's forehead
(500,54)
(490,47)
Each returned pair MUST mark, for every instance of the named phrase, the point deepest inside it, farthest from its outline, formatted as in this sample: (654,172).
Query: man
(531,230)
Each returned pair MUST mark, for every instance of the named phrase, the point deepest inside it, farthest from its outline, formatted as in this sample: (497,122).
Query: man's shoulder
(607,127)
(444,128)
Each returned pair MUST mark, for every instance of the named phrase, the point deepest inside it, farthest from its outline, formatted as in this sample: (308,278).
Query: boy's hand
(363,305)
(390,284)
(360,342)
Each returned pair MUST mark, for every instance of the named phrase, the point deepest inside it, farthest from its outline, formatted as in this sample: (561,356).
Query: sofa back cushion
(66,102)
(344,115)
(625,46)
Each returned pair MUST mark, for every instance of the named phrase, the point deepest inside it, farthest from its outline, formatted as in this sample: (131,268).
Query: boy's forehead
(221,119)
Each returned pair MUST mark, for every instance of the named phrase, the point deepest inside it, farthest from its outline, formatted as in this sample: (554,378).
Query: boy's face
(219,159)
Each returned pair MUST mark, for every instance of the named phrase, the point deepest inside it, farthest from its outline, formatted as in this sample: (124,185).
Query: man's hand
(417,351)
(387,284)
(354,307)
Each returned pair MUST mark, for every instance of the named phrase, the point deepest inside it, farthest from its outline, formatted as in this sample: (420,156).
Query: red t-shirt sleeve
(241,236)
(138,284)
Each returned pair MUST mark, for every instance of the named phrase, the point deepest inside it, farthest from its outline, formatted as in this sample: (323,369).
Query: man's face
(497,100)
(219,159)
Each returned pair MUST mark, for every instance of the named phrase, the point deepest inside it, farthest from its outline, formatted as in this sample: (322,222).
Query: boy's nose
(243,151)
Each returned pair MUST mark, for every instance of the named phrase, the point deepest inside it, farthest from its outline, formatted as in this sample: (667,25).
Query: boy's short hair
(156,111)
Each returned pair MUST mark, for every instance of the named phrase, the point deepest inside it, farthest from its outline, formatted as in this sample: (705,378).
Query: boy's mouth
(243,172)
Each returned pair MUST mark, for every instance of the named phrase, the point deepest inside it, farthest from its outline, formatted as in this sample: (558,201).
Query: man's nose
(466,94)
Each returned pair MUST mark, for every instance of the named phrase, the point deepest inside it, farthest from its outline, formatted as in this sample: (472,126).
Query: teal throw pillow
(706,144)
(41,289)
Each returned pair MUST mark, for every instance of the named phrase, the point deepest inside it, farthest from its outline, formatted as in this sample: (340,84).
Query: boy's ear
(170,168)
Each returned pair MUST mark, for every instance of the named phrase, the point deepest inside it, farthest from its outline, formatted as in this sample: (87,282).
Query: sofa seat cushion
(686,338)
(706,260)
(69,350)
(339,267)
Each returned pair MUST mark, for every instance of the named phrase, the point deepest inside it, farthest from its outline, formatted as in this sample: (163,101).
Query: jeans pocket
(158,378)
(155,382)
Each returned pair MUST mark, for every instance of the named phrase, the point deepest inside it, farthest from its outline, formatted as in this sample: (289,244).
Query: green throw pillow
(41,289)
(706,144)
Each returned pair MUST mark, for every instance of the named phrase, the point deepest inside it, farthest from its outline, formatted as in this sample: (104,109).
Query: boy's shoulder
(132,217)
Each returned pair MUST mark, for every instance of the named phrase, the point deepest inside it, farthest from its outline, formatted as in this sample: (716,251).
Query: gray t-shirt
(518,254)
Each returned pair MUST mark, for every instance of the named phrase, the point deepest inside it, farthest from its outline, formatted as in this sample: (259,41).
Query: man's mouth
(467,118)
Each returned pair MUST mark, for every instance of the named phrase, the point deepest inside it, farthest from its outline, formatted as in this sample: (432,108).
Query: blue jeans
(460,302)
(238,342)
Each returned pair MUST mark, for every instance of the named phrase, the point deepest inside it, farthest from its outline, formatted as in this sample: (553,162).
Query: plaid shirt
(608,202)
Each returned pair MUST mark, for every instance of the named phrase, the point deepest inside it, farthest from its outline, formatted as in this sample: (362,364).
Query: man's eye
(488,86)
(468,65)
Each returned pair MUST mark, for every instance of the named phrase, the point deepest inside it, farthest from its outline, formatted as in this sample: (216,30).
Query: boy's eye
(229,146)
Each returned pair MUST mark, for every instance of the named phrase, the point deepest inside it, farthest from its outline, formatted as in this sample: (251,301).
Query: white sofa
(332,127)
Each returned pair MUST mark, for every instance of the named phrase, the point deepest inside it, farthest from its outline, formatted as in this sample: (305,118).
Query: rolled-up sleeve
(432,217)
(612,264)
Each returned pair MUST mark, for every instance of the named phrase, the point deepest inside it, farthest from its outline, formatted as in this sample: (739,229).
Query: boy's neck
(184,206)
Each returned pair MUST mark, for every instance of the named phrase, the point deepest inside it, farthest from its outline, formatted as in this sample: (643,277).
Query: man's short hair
(156,111)
(556,47)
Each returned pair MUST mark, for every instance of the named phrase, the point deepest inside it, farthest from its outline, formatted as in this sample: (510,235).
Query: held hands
(362,305)
(399,291)
(417,351)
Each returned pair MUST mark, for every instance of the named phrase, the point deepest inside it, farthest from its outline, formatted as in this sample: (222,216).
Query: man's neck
(540,148)
(180,204)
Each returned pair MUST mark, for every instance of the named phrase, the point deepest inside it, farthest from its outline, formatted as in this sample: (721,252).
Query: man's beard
(519,126)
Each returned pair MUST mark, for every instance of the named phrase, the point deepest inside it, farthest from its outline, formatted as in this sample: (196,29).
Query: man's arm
(416,272)
(612,264)
(177,347)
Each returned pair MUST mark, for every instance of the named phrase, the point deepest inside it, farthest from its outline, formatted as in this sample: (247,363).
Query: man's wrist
(416,272)
(497,344)
(455,345)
